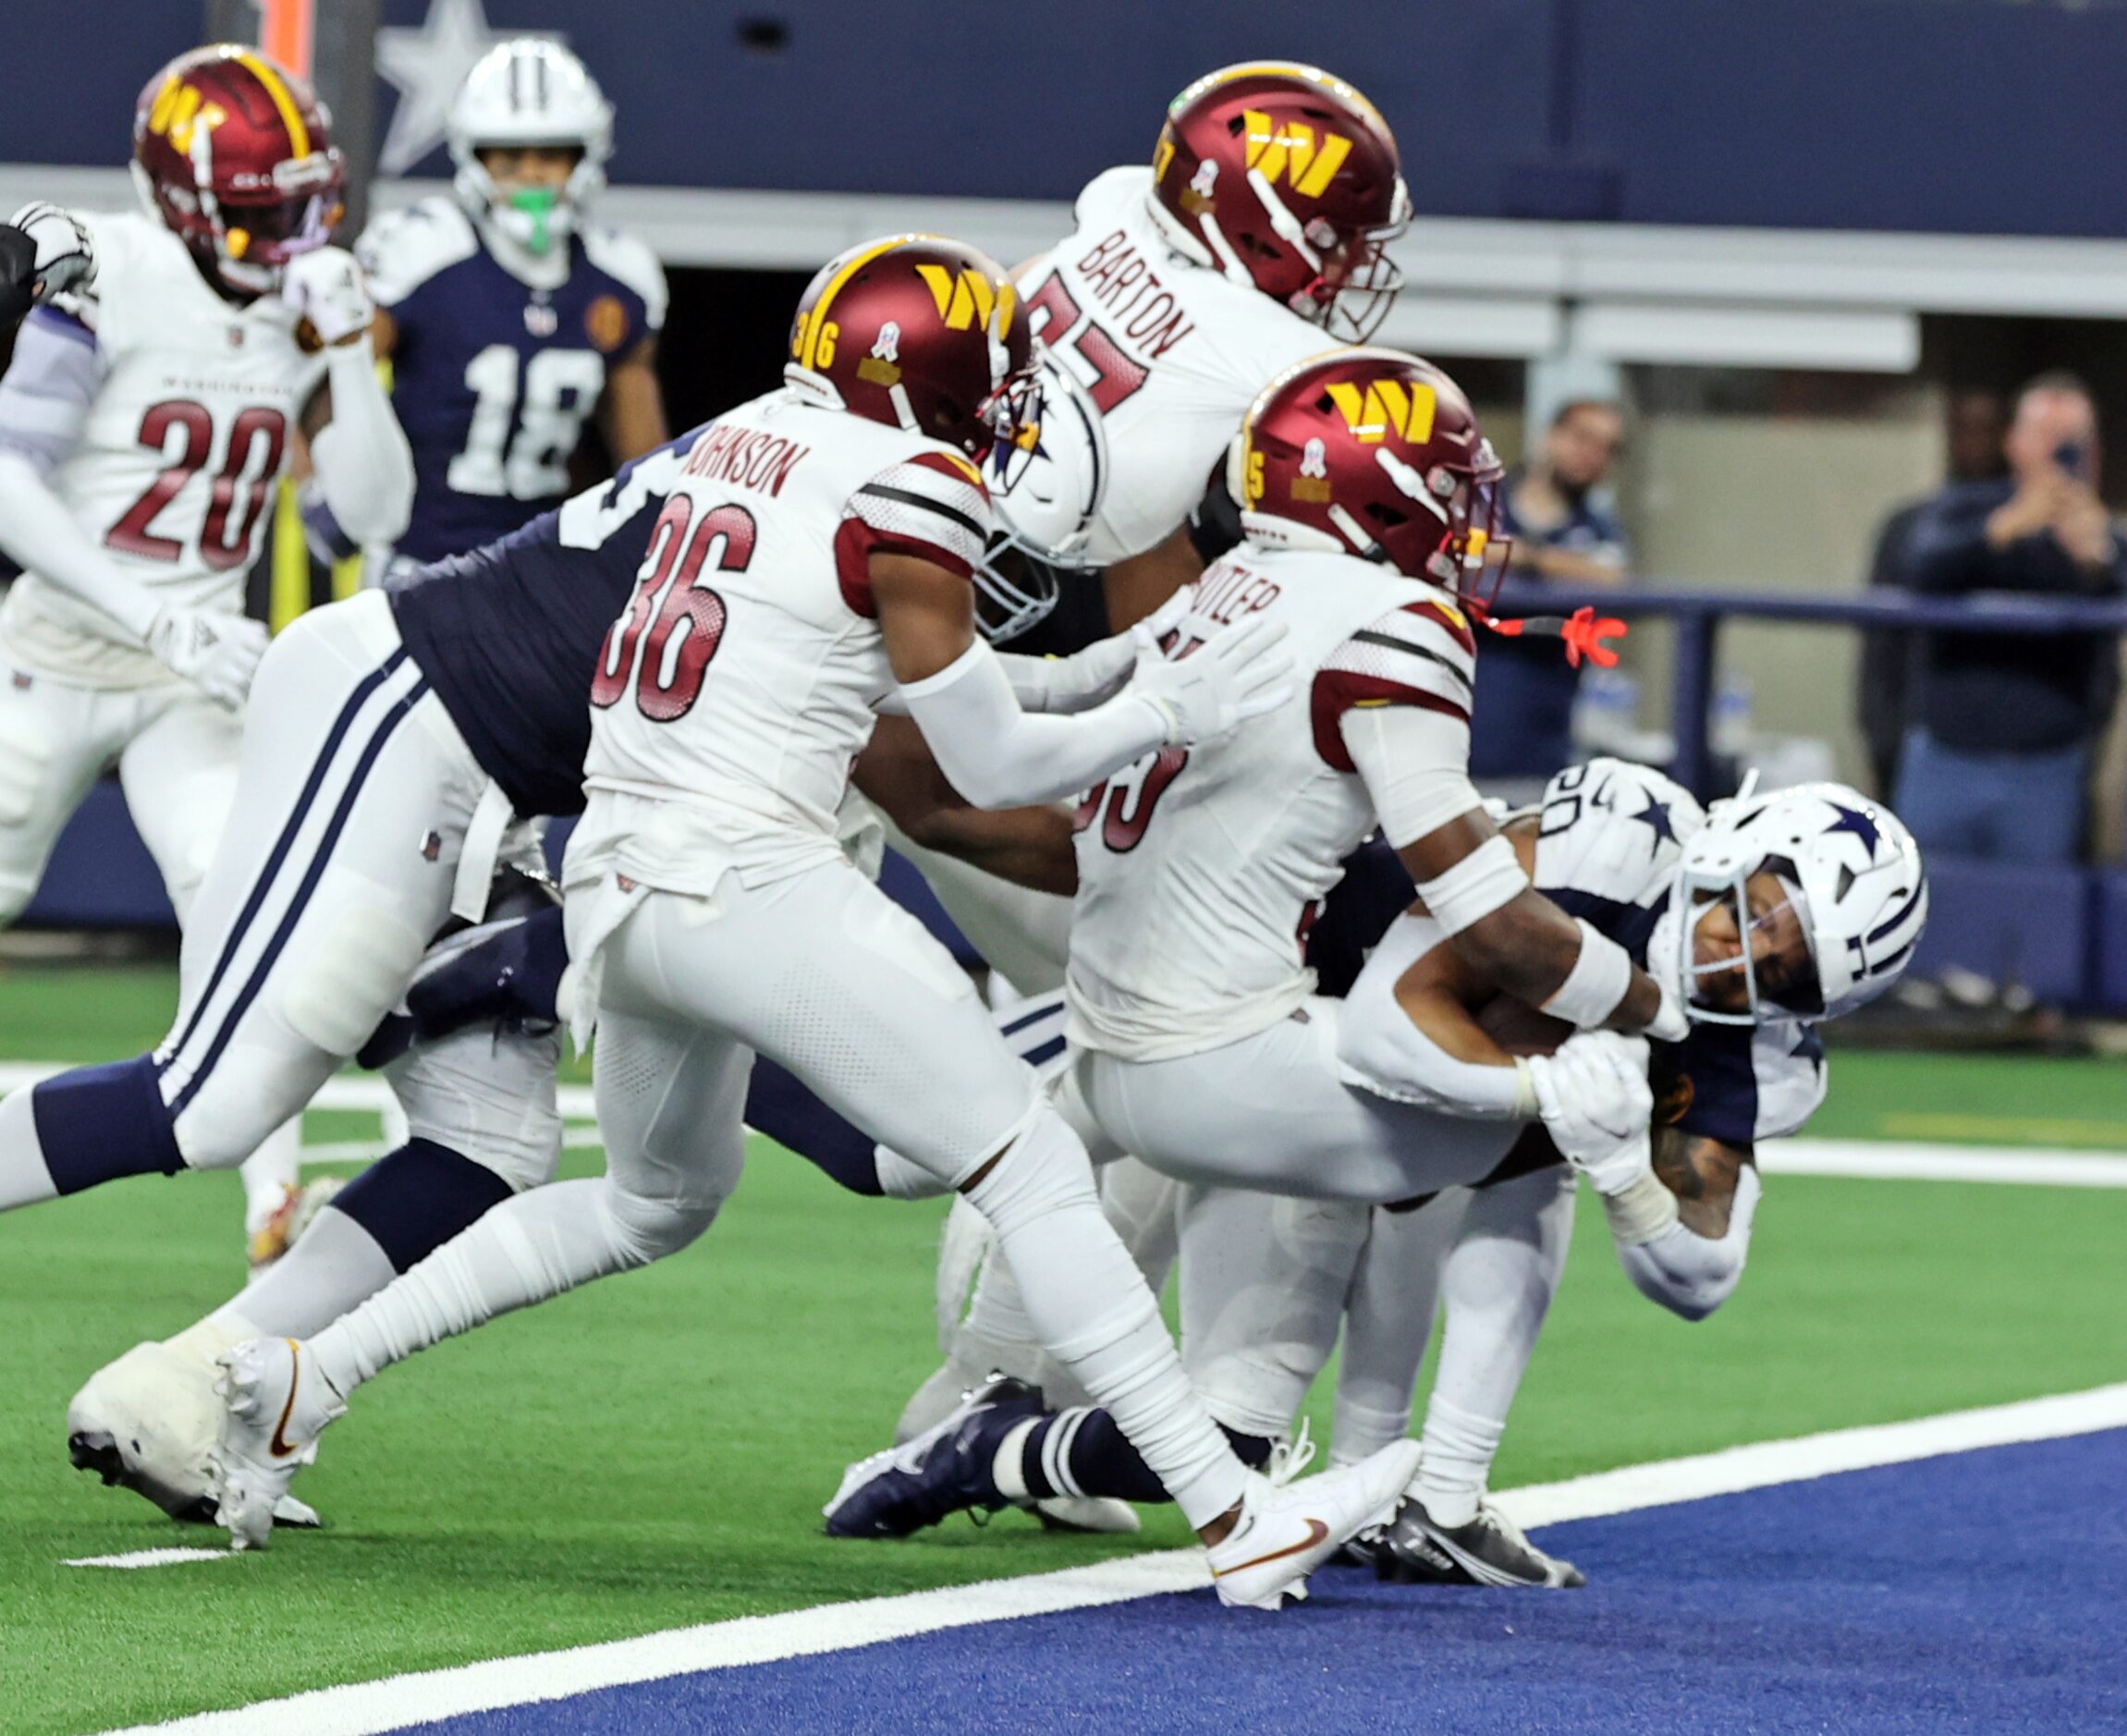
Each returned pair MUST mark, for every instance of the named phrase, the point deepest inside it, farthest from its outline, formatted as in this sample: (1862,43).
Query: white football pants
(1272,1113)
(337,867)
(823,971)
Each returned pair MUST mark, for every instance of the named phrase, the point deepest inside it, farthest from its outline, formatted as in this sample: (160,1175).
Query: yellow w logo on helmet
(1293,150)
(1372,410)
(177,108)
(965,299)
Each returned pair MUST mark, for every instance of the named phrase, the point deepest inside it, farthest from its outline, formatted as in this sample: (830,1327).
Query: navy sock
(783,1106)
(415,1199)
(1082,1453)
(96,1124)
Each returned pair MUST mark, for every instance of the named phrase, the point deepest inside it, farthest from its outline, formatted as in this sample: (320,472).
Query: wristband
(1640,1212)
(1488,878)
(1598,980)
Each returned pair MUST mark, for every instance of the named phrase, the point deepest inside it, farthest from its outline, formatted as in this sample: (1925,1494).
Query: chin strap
(1585,632)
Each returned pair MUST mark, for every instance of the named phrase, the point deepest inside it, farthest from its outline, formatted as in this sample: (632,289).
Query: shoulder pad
(629,260)
(402,249)
(1613,829)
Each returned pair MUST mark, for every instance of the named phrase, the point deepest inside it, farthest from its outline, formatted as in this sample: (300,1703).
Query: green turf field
(652,1451)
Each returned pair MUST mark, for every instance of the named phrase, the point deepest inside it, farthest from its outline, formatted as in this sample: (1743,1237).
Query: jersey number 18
(558,390)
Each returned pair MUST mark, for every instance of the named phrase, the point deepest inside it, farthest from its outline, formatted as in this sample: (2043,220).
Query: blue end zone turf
(1981,1592)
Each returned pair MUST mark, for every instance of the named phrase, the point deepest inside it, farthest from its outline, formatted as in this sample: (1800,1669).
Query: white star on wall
(427,65)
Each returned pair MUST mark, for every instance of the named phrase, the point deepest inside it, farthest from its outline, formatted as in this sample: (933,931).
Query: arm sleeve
(49,386)
(38,534)
(365,466)
(999,756)
(1392,703)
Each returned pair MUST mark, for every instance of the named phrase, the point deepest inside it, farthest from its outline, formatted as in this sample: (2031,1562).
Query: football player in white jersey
(145,419)
(1262,224)
(511,316)
(1774,915)
(814,557)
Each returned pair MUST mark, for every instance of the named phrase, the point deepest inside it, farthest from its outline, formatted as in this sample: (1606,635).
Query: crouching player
(1772,916)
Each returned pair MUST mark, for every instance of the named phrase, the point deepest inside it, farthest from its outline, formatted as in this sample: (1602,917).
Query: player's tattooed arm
(1703,1173)
(632,408)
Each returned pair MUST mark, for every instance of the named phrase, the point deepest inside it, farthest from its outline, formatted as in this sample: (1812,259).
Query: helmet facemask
(1356,282)
(1783,921)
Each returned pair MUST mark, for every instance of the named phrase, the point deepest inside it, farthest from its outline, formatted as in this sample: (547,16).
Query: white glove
(1095,675)
(218,653)
(1671,1023)
(1597,1107)
(66,256)
(1238,675)
(1145,636)
(325,286)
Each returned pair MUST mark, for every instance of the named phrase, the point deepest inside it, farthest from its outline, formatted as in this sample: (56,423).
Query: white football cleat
(1285,1532)
(148,1422)
(274,1403)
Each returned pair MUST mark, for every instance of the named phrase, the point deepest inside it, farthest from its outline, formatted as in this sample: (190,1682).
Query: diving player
(812,557)
(510,318)
(1831,900)
(145,421)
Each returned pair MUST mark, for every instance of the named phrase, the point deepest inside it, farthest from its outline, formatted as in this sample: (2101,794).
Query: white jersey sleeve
(49,386)
(1610,831)
(402,249)
(933,506)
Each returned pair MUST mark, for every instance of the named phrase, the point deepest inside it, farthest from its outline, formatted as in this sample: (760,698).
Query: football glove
(325,287)
(43,253)
(1237,674)
(1596,1105)
(216,653)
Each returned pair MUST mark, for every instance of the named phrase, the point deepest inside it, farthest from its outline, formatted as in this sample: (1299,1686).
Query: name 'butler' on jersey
(1368,496)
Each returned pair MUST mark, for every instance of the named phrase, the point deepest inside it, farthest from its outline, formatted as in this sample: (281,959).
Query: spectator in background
(1975,422)
(1997,755)
(1523,724)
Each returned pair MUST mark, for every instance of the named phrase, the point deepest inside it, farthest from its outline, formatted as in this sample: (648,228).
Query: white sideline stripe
(1888,1161)
(150,1558)
(371,1707)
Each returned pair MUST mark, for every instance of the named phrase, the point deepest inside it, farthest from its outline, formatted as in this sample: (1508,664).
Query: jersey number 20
(669,660)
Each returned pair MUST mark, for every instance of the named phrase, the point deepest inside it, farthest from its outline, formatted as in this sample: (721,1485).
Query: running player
(145,421)
(813,554)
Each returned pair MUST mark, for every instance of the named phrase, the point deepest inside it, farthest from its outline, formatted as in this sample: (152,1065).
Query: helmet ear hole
(1846,880)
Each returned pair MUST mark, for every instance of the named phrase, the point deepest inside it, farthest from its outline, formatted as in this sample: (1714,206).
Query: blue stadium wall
(1958,115)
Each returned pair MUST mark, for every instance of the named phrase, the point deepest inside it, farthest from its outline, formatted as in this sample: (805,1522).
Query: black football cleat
(1490,1550)
(944,1470)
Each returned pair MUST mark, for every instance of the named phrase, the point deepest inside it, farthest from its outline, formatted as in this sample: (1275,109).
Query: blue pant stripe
(402,708)
(282,845)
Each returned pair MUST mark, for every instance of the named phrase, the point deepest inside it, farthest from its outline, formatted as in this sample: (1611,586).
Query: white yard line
(150,1558)
(1901,1160)
(366,1708)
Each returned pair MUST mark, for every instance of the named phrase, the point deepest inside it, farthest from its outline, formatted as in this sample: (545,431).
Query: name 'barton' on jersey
(1171,353)
(191,406)
(737,685)
(493,378)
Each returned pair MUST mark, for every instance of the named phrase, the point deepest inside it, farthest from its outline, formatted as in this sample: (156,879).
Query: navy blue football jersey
(492,377)
(509,635)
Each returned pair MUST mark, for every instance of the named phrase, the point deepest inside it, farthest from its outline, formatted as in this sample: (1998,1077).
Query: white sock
(533,1246)
(1387,1321)
(1089,1305)
(271,1171)
(24,1179)
(1498,1283)
(334,1267)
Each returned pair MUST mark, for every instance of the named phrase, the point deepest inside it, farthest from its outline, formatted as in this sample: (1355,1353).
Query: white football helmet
(529,91)
(1853,879)
(1044,500)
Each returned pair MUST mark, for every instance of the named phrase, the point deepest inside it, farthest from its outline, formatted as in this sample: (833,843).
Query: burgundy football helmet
(1373,453)
(923,333)
(1288,179)
(236,156)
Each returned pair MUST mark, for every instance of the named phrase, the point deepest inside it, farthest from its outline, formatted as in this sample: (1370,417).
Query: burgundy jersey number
(1128,801)
(1051,314)
(222,545)
(668,678)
